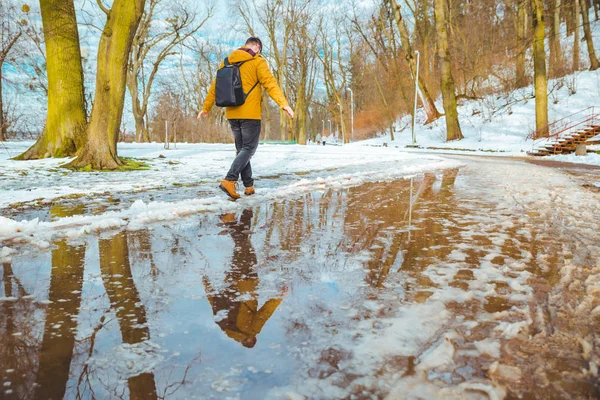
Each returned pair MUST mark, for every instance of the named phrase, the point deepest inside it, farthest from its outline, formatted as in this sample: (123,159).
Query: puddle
(340,294)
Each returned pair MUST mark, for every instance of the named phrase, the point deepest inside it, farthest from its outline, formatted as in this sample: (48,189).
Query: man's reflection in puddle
(236,307)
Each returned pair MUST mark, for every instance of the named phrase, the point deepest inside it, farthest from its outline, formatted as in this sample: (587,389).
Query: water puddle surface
(448,285)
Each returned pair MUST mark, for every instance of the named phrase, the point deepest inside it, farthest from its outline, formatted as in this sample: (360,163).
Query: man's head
(249,342)
(255,44)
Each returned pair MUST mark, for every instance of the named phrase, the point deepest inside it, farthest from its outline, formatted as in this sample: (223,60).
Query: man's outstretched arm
(268,81)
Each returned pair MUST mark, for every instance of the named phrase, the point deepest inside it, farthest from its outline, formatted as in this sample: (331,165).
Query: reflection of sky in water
(365,299)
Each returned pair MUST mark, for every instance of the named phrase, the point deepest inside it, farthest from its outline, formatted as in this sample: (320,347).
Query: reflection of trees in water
(66,282)
(18,345)
(126,303)
(378,220)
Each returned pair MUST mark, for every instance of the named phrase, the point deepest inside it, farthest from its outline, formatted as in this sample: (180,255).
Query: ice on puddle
(489,347)
(6,252)
(441,355)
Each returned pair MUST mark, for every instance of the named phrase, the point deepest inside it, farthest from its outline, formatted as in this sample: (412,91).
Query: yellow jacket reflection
(236,307)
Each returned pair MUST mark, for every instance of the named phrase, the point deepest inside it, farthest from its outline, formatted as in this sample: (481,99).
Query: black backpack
(228,88)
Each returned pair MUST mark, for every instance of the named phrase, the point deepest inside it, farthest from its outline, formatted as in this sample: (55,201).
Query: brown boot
(228,218)
(249,191)
(229,188)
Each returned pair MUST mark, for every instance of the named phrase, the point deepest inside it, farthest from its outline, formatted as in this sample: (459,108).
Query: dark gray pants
(246,133)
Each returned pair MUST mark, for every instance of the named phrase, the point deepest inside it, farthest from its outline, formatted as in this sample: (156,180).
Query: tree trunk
(539,66)
(556,56)
(266,126)
(64,133)
(568,10)
(576,37)
(2,127)
(521,79)
(100,151)
(453,131)
(300,115)
(387,107)
(585,16)
(426,99)
(141,132)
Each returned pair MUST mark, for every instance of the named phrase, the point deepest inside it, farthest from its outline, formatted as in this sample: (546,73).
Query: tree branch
(104,9)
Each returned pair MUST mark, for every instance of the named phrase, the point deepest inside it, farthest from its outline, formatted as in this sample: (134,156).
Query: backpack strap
(248,94)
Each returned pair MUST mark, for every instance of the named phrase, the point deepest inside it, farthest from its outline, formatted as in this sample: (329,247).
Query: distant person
(245,120)
(318,139)
(323,139)
(236,304)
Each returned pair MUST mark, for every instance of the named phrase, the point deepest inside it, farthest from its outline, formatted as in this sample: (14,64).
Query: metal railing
(562,127)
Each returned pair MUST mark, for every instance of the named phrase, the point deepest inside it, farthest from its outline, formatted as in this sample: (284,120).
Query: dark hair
(254,40)
(249,342)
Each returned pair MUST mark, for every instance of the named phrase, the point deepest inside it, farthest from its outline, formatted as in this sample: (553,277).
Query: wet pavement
(477,282)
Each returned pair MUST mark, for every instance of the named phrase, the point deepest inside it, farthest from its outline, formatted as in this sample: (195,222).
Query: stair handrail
(591,118)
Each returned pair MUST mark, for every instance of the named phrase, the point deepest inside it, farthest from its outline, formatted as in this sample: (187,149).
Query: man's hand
(202,114)
(288,110)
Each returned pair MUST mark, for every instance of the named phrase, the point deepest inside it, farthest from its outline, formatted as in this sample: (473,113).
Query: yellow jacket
(254,69)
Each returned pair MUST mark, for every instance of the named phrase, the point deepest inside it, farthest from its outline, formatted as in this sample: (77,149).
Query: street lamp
(323,130)
(414,139)
(351,111)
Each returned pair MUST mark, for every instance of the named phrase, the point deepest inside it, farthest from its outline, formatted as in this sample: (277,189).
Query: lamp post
(414,139)
(329,127)
(323,130)
(351,111)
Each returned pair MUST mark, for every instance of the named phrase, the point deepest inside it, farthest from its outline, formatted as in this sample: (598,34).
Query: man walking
(245,120)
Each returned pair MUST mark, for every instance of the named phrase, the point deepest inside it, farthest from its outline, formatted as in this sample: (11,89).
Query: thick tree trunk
(585,16)
(541,78)
(576,37)
(556,56)
(64,133)
(453,131)
(426,99)
(100,151)
(521,79)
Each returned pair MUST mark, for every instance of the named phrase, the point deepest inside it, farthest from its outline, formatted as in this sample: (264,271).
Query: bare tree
(12,27)
(556,54)
(426,99)
(453,131)
(304,56)
(100,150)
(522,42)
(576,37)
(64,133)
(540,75)
(178,27)
(585,17)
